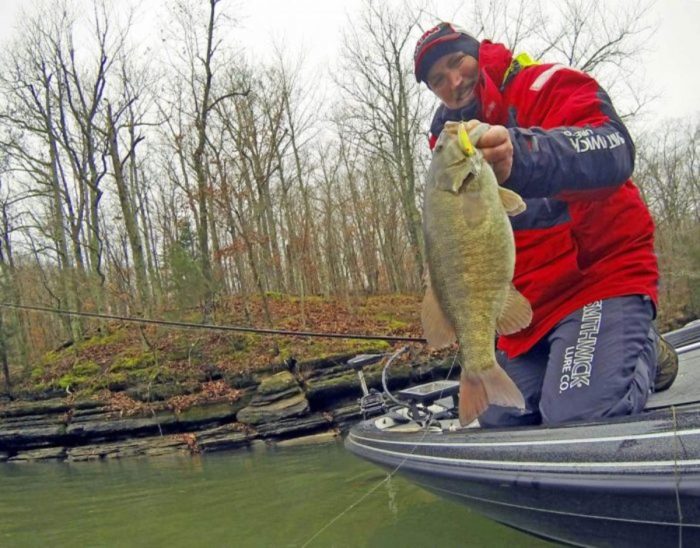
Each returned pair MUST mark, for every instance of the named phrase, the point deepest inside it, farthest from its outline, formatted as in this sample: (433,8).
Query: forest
(180,178)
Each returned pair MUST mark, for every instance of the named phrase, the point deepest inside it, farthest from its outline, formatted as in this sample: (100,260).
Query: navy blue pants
(599,361)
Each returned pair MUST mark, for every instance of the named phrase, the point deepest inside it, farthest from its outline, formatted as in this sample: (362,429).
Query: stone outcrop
(277,398)
(302,400)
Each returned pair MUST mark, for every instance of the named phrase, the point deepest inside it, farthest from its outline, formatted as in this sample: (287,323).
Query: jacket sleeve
(575,146)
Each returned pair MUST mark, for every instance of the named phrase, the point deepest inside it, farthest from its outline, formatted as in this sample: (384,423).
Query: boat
(629,481)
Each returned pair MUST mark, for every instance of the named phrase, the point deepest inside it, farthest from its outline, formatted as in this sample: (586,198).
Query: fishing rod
(212,327)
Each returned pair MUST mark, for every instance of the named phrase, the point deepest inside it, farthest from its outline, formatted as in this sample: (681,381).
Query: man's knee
(600,402)
(630,404)
(601,361)
(502,417)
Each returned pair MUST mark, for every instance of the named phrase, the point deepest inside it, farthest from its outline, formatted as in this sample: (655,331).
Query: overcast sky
(316,27)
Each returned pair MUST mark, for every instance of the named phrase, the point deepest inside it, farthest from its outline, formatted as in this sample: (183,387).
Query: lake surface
(293,496)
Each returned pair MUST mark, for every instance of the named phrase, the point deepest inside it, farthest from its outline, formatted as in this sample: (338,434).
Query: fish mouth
(469,178)
(460,185)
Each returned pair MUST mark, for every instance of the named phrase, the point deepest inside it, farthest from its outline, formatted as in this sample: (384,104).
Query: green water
(261,497)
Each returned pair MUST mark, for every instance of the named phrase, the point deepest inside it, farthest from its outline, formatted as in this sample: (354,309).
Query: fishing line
(389,475)
(677,476)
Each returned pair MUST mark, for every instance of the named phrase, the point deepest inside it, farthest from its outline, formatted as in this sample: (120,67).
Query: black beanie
(440,40)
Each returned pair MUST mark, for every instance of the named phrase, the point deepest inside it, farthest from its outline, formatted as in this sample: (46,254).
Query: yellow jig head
(464,141)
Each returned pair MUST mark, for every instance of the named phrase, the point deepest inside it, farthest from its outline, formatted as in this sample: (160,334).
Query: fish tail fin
(473,398)
(479,390)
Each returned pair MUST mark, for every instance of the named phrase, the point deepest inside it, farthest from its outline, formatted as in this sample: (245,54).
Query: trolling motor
(372,401)
(418,401)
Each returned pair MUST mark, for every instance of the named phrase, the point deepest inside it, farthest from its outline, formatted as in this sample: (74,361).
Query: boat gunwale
(447,438)
(668,480)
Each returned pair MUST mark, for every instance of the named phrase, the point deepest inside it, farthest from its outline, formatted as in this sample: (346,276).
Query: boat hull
(610,485)
(630,481)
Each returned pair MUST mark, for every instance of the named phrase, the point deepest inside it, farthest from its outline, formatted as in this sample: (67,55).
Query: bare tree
(34,111)
(385,108)
(126,117)
(200,51)
(668,172)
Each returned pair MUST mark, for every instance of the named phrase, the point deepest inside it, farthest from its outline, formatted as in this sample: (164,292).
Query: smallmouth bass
(471,259)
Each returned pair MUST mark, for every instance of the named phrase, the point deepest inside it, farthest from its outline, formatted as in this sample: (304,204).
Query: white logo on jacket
(585,140)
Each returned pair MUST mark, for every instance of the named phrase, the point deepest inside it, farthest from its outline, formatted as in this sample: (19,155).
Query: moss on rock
(82,374)
(280,382)
(131,363)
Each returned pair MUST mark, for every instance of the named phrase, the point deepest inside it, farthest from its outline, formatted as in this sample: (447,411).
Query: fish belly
(471,267)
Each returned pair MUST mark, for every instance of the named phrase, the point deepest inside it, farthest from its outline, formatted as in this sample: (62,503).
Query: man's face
(453,79)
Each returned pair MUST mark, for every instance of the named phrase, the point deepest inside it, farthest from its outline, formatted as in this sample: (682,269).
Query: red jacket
(586,234)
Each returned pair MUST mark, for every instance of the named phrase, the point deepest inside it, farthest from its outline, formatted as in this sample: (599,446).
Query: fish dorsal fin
(516,313)
(437,329)
(512,202)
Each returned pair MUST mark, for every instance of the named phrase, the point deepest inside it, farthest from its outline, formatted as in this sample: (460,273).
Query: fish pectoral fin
(437,328)
(516,313)
(492,386)
(512,202)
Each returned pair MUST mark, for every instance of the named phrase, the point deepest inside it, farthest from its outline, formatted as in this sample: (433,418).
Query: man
(584,247)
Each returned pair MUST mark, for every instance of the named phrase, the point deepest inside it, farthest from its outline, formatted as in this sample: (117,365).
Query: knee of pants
(553,413)
(614,376)
(500,417)
(556,411)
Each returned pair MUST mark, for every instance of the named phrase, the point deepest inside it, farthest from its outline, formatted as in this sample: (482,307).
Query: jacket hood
(493,64)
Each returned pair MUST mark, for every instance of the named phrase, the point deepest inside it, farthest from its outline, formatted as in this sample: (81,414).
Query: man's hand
(497,149)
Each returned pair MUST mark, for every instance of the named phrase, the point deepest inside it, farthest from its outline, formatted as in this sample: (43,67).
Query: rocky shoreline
(311,400)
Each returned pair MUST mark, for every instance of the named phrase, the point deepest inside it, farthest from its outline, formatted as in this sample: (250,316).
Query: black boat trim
(664,483)
(557,512)
(572,466)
